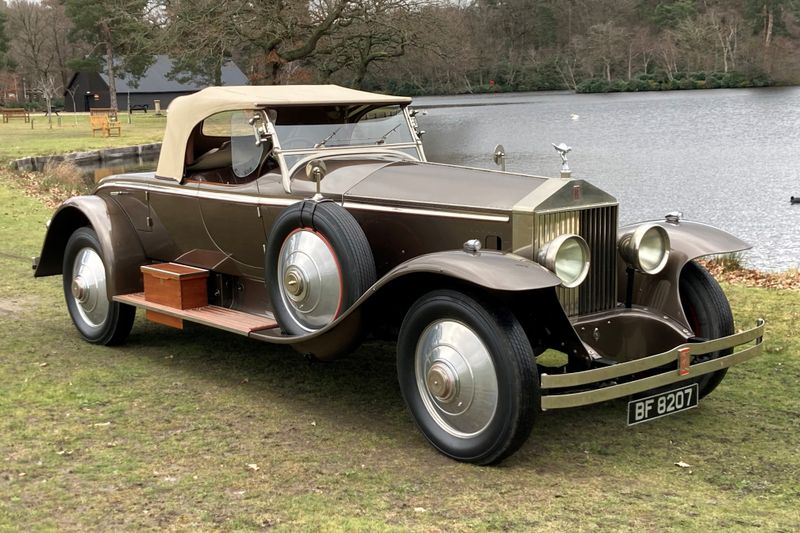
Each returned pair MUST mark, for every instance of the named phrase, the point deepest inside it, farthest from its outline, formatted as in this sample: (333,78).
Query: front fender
(688,241)
(489,270)
(121,249)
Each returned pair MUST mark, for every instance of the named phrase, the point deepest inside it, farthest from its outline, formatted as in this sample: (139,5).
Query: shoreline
(38,163)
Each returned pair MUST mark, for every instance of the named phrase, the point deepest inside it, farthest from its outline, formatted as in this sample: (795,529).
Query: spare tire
(318,263)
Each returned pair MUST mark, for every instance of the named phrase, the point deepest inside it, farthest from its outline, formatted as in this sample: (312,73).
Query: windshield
(312,128)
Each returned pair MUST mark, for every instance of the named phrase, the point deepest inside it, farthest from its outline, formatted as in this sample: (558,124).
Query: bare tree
(606,42)
(45,85)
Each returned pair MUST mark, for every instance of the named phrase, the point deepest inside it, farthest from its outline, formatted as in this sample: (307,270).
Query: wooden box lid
(174,271)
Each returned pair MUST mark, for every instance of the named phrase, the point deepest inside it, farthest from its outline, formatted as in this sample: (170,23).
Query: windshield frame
(386,150)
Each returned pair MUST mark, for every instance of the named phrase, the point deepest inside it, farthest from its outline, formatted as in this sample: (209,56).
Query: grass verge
(19,139)
(200,429)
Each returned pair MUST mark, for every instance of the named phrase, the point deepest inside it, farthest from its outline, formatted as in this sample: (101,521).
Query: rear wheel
(709,314)
(98,319)
(467,375)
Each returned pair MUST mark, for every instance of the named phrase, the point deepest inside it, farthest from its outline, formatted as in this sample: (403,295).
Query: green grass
(158,434)
(18,139)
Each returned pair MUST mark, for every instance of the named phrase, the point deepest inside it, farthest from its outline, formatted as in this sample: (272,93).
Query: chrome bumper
(679,355)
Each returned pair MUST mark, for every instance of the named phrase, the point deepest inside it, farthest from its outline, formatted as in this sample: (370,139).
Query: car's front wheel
(97,318)
(709,314)
(467,373)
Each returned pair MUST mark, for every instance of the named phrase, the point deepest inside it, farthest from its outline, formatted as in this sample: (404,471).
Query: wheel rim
(310,279)
(456,378)
(88,287)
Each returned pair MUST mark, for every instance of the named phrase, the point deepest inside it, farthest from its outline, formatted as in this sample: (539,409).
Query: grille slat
(598,226)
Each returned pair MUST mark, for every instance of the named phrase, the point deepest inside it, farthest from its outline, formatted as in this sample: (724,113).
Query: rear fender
(122,252)
(688,241)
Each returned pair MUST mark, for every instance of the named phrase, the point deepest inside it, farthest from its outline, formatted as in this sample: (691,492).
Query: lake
(725,157)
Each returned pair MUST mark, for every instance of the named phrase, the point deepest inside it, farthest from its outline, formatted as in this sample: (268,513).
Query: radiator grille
(598,226)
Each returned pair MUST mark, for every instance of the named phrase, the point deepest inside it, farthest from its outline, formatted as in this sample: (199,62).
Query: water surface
(725,157)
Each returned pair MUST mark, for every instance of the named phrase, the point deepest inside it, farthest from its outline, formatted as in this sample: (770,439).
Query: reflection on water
(95,171)
(724,157)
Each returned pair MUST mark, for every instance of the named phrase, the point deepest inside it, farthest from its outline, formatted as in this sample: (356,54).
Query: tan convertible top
(185,112)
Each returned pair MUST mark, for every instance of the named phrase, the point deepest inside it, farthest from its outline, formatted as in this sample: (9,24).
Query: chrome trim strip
(425,212)
(285,202)
(209,195)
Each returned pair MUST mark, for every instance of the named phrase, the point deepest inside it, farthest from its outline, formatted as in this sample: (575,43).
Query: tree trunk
(112,81)
(768,40)
(218,72)
(630,61)
(768,28)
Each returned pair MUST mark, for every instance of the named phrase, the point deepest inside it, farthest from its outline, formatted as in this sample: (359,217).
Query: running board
(209,315)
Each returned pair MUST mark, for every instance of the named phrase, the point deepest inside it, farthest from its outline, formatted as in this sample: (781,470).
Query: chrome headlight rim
(631,247)
(549,258)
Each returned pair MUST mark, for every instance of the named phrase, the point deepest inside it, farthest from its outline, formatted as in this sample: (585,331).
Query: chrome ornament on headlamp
(646,249)
(568,257)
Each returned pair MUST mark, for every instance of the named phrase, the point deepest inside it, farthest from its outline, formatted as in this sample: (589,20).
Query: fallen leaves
(750,277)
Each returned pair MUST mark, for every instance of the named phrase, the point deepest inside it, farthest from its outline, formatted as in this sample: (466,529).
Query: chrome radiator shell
(598,226)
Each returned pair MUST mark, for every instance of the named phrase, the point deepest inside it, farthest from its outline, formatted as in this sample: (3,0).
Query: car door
(229,199)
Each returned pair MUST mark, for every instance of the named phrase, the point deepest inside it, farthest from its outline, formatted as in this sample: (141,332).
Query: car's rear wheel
(709,314)
(467,374)
(98,319)
(318,263)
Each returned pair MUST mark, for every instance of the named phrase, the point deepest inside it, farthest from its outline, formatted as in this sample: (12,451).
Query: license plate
(662,404)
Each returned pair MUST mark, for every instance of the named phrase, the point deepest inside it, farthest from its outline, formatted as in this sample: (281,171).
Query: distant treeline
(408,46)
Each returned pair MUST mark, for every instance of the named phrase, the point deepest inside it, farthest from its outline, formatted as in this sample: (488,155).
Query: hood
(433,185)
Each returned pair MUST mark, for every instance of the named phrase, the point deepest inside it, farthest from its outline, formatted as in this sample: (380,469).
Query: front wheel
(709,314)
(98,319)
(467,375)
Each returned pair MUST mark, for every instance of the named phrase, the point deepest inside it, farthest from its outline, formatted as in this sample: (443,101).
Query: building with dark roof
(90,89)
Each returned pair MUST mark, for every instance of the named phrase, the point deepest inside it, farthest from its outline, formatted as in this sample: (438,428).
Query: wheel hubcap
(295,284)
(456,378)
(88,287)
(442,381)
(79,290)
(311,283)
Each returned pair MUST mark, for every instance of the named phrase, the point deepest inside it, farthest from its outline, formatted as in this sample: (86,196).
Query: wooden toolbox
(174,285)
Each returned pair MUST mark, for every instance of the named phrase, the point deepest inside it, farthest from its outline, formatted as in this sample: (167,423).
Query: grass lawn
(200,429)
(17,139)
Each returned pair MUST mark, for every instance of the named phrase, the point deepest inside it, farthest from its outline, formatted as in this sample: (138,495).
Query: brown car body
(416,217)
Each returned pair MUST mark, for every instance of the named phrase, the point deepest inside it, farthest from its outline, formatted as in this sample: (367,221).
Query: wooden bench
(16,112)
(138,107)
(110,112)
(102,124)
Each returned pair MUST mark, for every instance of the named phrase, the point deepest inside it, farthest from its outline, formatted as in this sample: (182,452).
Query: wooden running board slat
(209,315)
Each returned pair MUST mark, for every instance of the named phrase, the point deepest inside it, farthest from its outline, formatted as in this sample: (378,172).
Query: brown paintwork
(416,216)
(689,240)
(119,241)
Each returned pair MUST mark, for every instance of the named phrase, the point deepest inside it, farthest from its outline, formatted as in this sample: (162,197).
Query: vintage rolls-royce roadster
(309,216)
